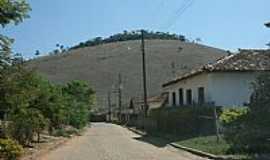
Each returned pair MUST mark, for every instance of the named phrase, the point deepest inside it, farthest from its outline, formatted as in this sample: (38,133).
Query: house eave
(181,79)
(207,71)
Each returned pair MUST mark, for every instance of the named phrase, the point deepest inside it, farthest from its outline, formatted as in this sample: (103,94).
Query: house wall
(221,88)
(192,83)
(230,88)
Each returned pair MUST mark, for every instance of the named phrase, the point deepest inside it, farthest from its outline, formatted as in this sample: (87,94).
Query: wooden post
(144,76)
(216,124)
(120,96)
(109,106)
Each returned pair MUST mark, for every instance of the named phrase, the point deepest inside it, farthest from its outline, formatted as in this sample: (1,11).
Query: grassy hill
(100,65)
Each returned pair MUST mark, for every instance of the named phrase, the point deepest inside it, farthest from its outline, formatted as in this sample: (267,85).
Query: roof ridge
(246,60)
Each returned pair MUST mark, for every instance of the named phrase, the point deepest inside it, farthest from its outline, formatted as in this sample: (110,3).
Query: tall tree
(11,12)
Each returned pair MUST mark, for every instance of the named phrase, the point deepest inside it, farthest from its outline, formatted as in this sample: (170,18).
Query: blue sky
(226,24)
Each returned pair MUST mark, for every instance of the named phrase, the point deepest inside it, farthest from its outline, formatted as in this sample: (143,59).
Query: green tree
(133,35)
(19,92)
(80,99)
(258,118)
(37,53)
(11,11)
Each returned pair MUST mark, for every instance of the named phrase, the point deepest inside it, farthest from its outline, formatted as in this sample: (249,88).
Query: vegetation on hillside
(126,36)
(119,37)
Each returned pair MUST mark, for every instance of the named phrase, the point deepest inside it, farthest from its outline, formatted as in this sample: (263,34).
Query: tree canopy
(125,36)
(11,11)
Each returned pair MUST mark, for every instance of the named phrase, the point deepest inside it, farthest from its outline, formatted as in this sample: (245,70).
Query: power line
(179,12)
(183,6)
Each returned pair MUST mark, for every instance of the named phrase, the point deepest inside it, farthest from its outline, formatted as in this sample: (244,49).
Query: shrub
(232,115)
(257,126)
(60,133)
(10,149)
(232,120)
(73,131)
(249,131)
(26,124)
(66,132)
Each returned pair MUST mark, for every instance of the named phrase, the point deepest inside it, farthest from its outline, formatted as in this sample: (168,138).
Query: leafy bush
(73,131)
(249,131)
(60,133)
(66,132)
(26,124)
(231,115)
(232,121)
(33,104)
(10,149)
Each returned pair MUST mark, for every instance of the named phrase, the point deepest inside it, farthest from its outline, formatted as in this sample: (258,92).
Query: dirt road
(111,142)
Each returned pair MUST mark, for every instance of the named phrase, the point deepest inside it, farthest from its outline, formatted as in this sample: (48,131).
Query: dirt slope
(100,65)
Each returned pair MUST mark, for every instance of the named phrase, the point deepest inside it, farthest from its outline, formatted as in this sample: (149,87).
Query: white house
(227,82)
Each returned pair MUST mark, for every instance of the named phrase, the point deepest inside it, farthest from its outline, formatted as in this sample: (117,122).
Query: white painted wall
(223,88)
(192,83)
(230,88)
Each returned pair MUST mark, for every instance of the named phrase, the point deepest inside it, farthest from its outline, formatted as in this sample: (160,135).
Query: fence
(195,120)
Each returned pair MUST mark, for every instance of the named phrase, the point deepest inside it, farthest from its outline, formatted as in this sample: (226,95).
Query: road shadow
(160,139)
(156,141)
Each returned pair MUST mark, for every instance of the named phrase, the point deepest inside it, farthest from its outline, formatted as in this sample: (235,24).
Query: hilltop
(101,64)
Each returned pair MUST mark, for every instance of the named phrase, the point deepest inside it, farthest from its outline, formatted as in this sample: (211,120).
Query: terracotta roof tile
(246,60)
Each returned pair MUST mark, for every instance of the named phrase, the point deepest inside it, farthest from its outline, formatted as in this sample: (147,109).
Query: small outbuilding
(226,82)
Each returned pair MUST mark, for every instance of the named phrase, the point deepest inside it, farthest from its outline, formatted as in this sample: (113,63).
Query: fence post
(216,124)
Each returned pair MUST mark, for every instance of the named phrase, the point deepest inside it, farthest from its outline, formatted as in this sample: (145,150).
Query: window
(181,97)
(189,97)
(2,115)
(173,99)
(201,97)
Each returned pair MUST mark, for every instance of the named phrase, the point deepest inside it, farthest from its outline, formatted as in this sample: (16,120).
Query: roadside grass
(207,144)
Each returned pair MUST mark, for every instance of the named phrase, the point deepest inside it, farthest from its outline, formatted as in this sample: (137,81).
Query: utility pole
(109,106)
(173,69)
(144,76)
(120,86)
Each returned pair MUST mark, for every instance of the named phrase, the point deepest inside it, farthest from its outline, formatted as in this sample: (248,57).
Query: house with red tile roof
(226,82)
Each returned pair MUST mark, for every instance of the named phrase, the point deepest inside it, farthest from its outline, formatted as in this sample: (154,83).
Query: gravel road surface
(112,142)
